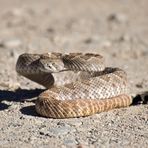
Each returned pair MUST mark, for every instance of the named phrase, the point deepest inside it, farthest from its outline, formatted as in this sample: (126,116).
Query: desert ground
(116,29)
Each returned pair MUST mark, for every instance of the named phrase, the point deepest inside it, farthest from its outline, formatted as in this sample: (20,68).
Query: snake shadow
(29,110)
(141,98)
(19,95)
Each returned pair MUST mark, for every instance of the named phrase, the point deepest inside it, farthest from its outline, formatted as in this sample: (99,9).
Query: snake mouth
(44,70)
(110,69)
(48,65)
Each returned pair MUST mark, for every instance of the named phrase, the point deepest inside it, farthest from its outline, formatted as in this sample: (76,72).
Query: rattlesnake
(77,84)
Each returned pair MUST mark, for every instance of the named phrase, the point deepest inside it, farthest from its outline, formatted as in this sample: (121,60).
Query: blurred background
(73,25)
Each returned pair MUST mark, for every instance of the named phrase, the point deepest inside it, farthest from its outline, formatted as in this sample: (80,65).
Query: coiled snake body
(78,84)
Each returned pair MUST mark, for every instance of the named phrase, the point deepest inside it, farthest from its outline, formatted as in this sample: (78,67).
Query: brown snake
(78,84)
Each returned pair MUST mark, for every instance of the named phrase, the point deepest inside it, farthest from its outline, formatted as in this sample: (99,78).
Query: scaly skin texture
(87,86)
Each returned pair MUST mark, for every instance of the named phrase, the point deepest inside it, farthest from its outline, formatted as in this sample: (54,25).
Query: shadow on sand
(19,95)
(29,110)
(141,98)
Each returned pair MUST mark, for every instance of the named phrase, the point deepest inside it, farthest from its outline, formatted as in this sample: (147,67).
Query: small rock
(70,142)
(82,146)
(140,85)
(88,41)
(12,107)
(106,44)
(11,43)
(124,37)
(62,130)
(75,123)
(17,12)
(118,17)
(22,117)
(32,139)
(57,131)
(10,85)
(50,30)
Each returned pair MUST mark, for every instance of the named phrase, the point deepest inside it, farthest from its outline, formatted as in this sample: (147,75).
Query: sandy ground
(117,29)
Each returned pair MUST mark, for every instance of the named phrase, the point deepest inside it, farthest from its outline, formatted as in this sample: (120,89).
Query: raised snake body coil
(87,86)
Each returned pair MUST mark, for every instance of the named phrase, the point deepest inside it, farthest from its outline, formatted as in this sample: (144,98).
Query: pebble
(13,43)
(13,108)
(70,142)
(10,85)
(106,44)
(88,41)
(118,17)
(139,85)
(17,12)
(124,38)
(57,131)
(75,123)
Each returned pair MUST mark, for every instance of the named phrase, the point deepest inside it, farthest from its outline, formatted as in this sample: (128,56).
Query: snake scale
(77,84)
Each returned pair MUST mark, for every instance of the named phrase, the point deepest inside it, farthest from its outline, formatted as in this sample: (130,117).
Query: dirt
(117,29)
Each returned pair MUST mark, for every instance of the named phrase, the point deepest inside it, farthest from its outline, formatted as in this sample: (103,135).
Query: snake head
(51,65)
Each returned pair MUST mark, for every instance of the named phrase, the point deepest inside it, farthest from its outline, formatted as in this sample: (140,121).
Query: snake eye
(48,65)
